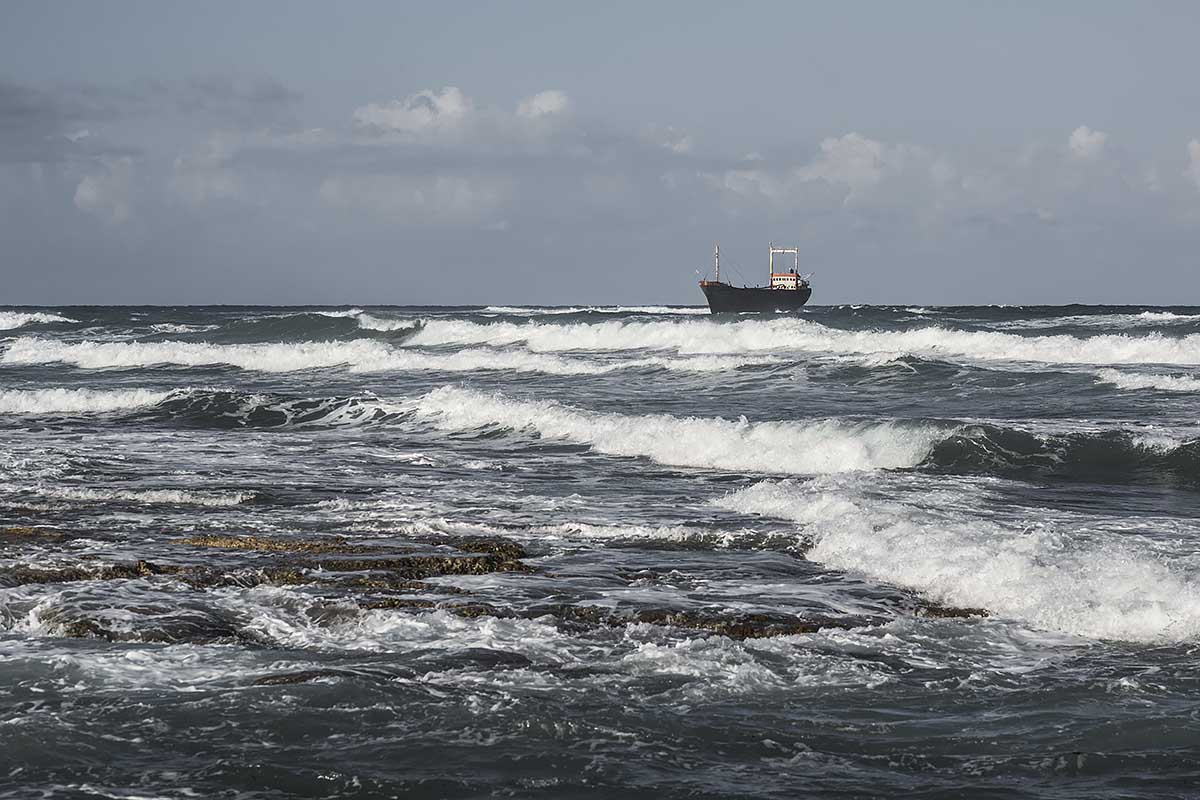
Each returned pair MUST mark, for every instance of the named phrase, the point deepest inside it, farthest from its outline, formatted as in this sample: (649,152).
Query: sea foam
(356,355)
(18,319)
(558,310)
(76,401)
(704,442)
(1048,578)
(805,336)
(149,496)
(1134,381)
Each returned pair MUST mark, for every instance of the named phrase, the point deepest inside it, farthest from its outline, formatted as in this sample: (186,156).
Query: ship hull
(723,298)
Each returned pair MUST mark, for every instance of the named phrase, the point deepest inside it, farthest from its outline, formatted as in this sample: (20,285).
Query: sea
(593,552)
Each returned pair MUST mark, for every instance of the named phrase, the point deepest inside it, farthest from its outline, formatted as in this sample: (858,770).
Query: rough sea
(599,552)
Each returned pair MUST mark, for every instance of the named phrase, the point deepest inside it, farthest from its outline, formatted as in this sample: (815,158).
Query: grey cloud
(240,100)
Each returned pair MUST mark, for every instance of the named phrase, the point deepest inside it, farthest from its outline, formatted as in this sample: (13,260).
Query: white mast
(717,260)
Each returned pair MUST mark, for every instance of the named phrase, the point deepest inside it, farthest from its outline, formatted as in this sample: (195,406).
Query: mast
(770,262)
(717,260)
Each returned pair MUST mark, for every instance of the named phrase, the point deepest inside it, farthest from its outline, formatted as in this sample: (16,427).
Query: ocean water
(599,552)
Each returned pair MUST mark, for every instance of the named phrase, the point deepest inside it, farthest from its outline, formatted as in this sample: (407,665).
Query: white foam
(687,310)
(536,311)
(372,323)
(340,313)
(172,327)
(18,319)
(802,336)
(75,401)
(522,310)
(772,447)
(282,615)
(358,356)
(1166,316)
(1134,381)
(1142,319)
(661,533)
(149,496)
(1051,579)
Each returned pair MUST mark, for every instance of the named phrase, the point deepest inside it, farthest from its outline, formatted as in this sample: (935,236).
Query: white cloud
(106,194)
(852,159)
(670,138)
(1087,144)
(1193,169)
(544,104)
(847,169)
(427,110)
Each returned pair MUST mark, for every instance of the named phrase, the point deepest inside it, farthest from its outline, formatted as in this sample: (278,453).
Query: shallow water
(569,552)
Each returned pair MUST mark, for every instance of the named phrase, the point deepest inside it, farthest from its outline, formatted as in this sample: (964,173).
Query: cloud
(1086,144)
(204,175)
(233,99)
(847,171)
(415,199)
(36,125)
(106,194)
(425,111)
(853,160)
(544,104)
(670,138)
(1193,168)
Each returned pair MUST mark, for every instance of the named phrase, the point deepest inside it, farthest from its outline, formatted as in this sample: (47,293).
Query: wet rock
(302,676)
(735,626)
(496,546)
(939,611)
(740,626)
(390,583)
(278,545)
(476,610)
(26,532)
(19,576)
(417,567)
(396,602)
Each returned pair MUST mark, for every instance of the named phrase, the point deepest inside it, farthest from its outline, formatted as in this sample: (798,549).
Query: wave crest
(76,401)
(19,319)
(771,447)
(360,355)
(806,336)
(1134,381)
(1088,587)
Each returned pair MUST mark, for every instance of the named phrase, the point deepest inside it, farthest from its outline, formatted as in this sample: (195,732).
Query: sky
(564,153)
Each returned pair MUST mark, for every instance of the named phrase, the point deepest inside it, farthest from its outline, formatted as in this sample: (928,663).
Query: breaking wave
(229,409)
(799,335)
(1091,587)
(770,447)
(556,310)
(149,496)
(18,319)
(357,355)
(1133,381)
(75,401)
(1142,319)
(370,322)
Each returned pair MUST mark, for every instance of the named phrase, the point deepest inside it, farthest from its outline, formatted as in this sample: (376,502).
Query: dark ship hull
(723,298)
